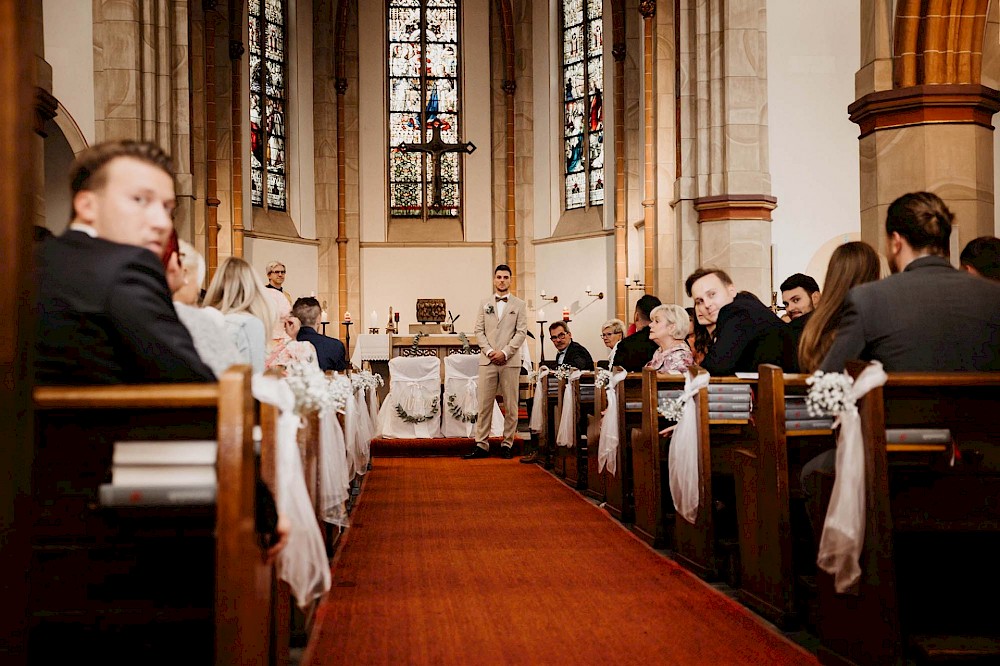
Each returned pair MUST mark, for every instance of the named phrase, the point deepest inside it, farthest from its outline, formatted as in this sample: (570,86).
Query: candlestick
(347,317)
(565,314)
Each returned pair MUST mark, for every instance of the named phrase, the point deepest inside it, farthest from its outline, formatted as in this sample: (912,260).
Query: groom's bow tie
(498,299)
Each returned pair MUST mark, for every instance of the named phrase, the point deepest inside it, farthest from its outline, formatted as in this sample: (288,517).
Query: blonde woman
(237,294)
(668,328)
(612,332)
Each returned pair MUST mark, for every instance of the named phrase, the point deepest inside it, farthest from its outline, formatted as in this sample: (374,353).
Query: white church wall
(397,276)
(565,269)
(300,261)
(372,95)
(813,54)
(301,173)
(69,49)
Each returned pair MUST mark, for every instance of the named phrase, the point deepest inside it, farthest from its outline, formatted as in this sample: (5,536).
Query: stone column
(724,181)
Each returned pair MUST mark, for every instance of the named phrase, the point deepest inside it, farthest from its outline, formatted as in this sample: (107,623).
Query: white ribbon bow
(567,428)
(683,455)
(538,405)
(844,528)
(607,448)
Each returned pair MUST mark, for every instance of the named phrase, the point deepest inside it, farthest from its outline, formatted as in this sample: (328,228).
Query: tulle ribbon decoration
(566,436)
(844,528)
(538,405)
(683,455)
(607,448)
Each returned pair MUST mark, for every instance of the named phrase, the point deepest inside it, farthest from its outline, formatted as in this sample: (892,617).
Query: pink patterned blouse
(672,361)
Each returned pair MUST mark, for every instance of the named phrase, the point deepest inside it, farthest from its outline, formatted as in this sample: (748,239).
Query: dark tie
(504,299)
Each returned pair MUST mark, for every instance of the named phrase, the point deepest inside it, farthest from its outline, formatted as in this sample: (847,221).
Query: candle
(313,294)
(323,316)
(587,289)
(374,319)
(542,294)
(541,315)
(628,281)
(565,314)
(396,316)
(347,316)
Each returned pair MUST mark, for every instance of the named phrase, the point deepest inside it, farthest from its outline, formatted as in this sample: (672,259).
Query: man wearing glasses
(278,297)
(567,351)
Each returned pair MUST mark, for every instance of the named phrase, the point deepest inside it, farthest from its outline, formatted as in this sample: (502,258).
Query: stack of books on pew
(165,473)
(797,416)
(729,402)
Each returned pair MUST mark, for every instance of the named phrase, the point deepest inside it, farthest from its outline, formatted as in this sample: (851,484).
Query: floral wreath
(457,413)
(409,418)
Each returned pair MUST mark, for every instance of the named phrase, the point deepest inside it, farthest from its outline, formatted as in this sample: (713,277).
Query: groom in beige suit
(501,326)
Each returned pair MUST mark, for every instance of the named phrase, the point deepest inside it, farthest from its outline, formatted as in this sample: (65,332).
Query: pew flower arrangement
(341,390)
(671,409)
(602,378)
(563,371)
(829,394)
(366,380)
(310,386)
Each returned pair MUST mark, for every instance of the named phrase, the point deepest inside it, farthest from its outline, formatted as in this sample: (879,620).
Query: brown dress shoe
(533,457)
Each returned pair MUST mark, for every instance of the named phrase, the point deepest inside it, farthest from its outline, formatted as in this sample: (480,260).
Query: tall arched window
(583,105)
(268,99)
(424,100)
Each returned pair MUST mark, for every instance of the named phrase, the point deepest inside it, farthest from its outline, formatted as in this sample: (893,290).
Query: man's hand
(498,358)
(281,532)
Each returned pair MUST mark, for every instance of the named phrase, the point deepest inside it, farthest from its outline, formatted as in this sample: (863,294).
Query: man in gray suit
(928,316)
(501,326)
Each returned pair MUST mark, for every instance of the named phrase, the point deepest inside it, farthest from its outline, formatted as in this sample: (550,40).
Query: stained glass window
(424,99)
(583,102)
(268,98)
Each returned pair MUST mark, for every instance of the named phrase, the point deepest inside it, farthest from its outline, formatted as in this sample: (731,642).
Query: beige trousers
(493,380)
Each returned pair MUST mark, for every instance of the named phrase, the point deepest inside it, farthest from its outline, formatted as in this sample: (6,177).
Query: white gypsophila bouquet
(310,386)
(341,390)
(563,371)
(829,394)
(671,408)
(602,378)
(366,380)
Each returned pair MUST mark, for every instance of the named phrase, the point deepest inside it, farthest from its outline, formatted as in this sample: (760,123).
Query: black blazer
(635,351)
(577,356)
(929,318)
(104,316)
(329,351)
(740,330)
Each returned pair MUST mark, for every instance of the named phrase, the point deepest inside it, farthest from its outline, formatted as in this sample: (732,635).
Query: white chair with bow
(461,398)
(412,410)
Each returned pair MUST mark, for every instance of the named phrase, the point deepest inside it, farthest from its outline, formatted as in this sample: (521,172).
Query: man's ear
(85,206)
(731,288)
(814,297)
(895,241)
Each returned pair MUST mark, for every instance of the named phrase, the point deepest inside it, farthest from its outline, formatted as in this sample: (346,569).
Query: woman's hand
(292,326)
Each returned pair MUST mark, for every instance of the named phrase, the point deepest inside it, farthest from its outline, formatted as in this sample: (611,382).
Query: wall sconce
(551,299)
(634,284)
(594,294)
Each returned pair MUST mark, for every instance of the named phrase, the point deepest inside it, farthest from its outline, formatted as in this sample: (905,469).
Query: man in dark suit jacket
(637,350)
(928,316)
(104,309)
(330,352)
(569,352)
(742,324)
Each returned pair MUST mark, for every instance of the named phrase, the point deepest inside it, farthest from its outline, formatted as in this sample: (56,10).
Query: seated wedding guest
(851,264)
(569,352)
(668,329)
(612,332)
(741,321)
(185,270)
(281,302)
(800,294)
(928,316)
(235,293)
(289,350)
(329,351)
(636,350)
(701,336)
(103,308)
(982,257)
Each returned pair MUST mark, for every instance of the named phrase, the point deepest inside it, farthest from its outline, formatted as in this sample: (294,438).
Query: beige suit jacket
(505,334)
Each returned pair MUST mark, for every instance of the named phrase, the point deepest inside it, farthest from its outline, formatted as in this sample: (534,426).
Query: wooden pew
(617,487)
(697,546)
(571,462)
(547,434)
(776,542)
(125,583)
(596,487)
(932,531)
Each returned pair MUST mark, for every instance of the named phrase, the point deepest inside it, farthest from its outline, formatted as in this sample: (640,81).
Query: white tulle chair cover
(607,446)
(844,527)
(414,385)
(334,479)
(302,563)
(566,436)
(683,456)
(538,404)
(461,380)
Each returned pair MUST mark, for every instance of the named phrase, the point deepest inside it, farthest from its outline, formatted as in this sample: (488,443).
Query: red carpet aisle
(489,562)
